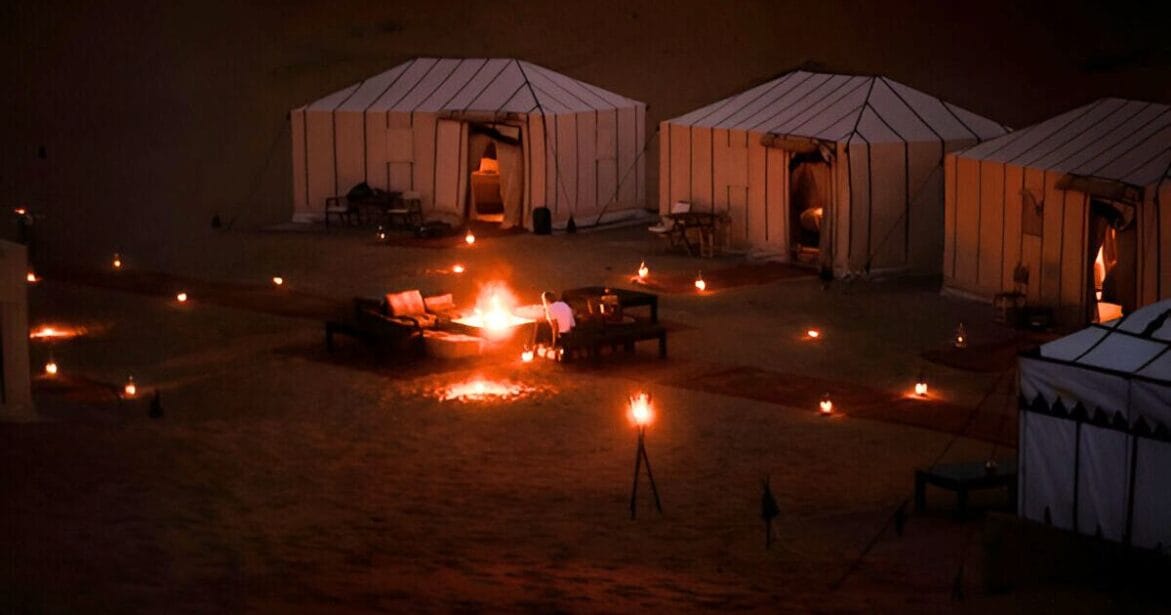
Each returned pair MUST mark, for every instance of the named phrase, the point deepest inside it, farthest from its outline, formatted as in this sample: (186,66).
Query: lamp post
(642,412)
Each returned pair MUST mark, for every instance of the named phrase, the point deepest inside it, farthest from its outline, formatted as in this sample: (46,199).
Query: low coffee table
(964,477)
(626,298)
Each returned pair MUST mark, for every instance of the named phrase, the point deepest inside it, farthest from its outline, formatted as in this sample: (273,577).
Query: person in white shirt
(559,315)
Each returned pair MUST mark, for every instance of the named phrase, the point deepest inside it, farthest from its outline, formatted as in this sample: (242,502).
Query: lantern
(457,268)
(50,367)
(20,211)
(117,261)
(641,411)
(826,405)
(961,338)
(381,233)
(643,270)
(469,238)
(526,356)
(921,386)
(181,297)
(700,285)
(278,280)
(32,278)
(813,334)
(131,389)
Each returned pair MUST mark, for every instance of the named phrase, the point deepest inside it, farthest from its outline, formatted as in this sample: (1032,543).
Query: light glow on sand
(55,332)
(480,389)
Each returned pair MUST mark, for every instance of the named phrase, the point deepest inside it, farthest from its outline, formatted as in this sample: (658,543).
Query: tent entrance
(495,181)
(809,189)
(485,202)
(1114,265)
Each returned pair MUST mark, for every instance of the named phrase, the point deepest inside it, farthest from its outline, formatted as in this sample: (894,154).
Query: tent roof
(843,108)
(1121,368)
(497,85)
(1136,344)
(1113,138)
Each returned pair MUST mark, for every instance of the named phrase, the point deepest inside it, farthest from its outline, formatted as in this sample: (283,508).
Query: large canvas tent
(1043,202)
(838,170)
(1095,450)
(426,125)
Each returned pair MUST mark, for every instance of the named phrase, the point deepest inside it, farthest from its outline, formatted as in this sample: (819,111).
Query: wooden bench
(591,340)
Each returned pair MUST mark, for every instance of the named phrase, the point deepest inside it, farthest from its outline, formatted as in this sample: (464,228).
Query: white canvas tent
(1095,450)
(849,167)
(1048,197)
(423,126)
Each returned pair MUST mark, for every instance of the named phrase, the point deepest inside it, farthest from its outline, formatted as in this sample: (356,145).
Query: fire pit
(492,317)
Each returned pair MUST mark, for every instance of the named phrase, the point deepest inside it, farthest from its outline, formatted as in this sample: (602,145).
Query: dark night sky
(167,114)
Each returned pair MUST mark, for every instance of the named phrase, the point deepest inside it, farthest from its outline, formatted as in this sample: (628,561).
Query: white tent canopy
(879,144)
(1027,200)
(413,128)
(1094,440)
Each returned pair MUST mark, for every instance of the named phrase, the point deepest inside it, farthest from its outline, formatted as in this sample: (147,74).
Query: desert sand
(283,478)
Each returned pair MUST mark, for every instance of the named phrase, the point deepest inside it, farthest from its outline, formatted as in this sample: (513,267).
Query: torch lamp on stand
(641,412)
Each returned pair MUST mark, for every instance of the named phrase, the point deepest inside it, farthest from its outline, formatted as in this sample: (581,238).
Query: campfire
(493,313)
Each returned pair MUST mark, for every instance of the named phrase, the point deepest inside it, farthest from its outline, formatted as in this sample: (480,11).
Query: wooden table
(706,225)
(626,298)
(964,477)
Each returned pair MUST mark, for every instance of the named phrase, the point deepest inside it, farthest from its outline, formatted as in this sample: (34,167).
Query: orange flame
(55,332)
(642,411)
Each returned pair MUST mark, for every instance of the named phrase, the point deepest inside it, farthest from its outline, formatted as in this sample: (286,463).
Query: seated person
(559,315)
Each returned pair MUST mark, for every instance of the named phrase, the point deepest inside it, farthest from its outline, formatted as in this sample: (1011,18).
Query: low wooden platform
(592,340)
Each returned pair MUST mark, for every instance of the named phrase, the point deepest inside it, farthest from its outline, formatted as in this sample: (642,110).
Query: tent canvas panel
(679,166)
(1052,224)
(1073,384)
(950,227)
(1075,257)
(376,150)
(606,158)
(857,210)
(701,166)
(349,128)
(967,221)
(1046,472)
(1151,517)
(587,204)
(924,219)
(1103,482)
(319,167)
(628,154)
(990,226)
(564,172)
(449,175)
(887,239)
(757,222)
(1012,242)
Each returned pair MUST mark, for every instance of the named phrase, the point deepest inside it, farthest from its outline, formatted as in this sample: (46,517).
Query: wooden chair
(408,211)
(345,210)
(668,228)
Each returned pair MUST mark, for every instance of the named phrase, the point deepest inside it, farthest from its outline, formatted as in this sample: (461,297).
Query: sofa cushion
(406,303)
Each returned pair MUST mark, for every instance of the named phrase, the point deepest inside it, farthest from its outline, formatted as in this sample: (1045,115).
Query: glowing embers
(481,389)
(55,332)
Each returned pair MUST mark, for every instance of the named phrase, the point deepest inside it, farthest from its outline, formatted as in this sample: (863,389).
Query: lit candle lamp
(278,280)
(32,278)
(131,389)
(813,334)
(961,338)
(700,285)
(470,238)
(181,297)
(643,270)
(117,261)
(381,233)
(826,405)
(526,356)
(457,268)
(641,410)
(921,386)
(51,367)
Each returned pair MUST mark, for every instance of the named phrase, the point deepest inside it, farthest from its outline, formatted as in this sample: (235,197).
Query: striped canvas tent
(424,125)
(1035,209)
(1095,450)
(836,170)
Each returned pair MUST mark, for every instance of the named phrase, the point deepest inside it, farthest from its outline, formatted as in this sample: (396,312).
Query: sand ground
(285,479)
